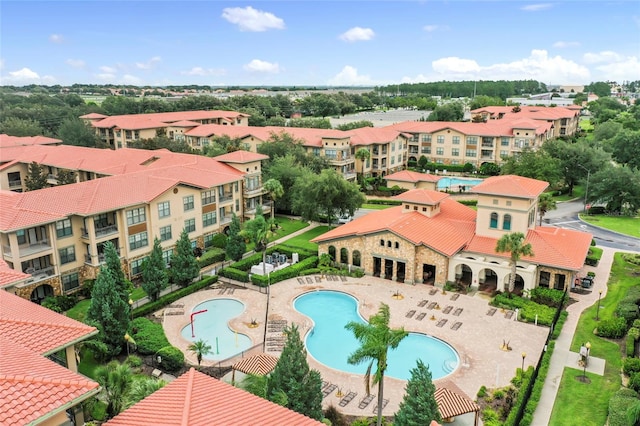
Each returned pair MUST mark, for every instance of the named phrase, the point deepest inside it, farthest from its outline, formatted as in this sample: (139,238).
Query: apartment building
(118,130)
(127,197)
(564,120)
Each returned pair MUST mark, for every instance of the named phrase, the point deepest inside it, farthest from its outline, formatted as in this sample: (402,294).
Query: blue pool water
(331,344)
(212,327)
(453,183)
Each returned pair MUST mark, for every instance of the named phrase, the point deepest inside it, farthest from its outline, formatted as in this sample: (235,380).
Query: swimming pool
(212,327)
(331,344)
(453,183)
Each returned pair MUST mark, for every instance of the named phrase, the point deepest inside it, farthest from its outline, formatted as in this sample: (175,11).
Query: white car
(345,219)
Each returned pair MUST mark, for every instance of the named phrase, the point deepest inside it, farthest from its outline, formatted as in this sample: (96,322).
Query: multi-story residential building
(564,120)
(118,130)
(127,197)
(433,239)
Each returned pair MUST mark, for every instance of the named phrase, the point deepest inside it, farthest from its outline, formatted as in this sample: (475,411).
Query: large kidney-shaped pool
(331,344)
(212,326)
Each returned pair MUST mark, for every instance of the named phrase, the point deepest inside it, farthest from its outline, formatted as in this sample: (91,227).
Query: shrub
(618,405)
(636,324)
(628,311)
(148,335)
(172,358)
(528,310)
(234,274)
(50,303)
(99,411)
(489,415)
(631,258)
(335,417)
(634,382)
(595,253)
(210,257)
(469,203)
(60,303)
(147,308)
(482,392)
(547,296)
(631,366)
(630,345)
(286,273)
(133,361)
(613,328)
(219,241)
(498,394)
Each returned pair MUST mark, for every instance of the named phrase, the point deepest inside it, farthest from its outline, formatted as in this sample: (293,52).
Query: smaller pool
(213,327)
(454,183)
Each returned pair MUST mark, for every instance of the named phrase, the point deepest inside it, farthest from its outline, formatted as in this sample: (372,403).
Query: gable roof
(452,401)
(161,119)
(410,176)
(195,399)
(241,157)
(511,186)
(261,364)
(7,141)
(422,196)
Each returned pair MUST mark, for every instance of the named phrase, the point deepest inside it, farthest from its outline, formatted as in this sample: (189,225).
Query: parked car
(587,282)
(345,219)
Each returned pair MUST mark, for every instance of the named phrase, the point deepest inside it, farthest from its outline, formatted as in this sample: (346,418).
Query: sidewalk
(562,357)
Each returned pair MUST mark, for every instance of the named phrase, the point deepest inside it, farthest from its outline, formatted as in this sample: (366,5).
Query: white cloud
(151,63)
(108,70)
(357,34)
(106,76)
(131,79)
(56,38)
(536,7)
(349,77)
(604,56)
(432,28)
(565,44)
(24,75)
(76,63)
(257,65)
(199,71)
(250,19)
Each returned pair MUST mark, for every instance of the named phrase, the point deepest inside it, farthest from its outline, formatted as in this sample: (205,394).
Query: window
(397,245)
(393,148)
(504,142)
(495,202)
(70,282)
(138,240)
(331,153)
(393,160)
(506,222)
(136,216)
(208,240)
(440,139)
(166,256)
(164,209)
(504,154)
(208,219)
(187,202)
(63,228)
(165,233)
(455,152)
(494,221)
(238,205)
(471,153)
(208,197)
(22,236)
(439,151)
(456,140)
(136,266)
(426,150)
(508,203)
(67,254)
(388,243)
(426,138)
(382,241)
(190,225)
(236,187)
(472,140)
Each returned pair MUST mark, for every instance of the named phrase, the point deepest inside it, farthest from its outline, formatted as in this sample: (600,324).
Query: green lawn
(88,364)
(578,192)
(622,224)
(570,407)
(288,226)
(79,311)
(137,294)
(376,206)
(302,240)
(586,125)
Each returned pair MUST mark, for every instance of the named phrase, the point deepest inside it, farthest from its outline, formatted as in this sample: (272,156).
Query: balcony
(29,249)
(101,231)
(39,274)
(100,257)
(251,210)
(349,175)
(487,144)
(225,198)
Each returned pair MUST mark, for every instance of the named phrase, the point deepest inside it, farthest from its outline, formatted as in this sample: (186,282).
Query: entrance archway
(40,293)
(488,280)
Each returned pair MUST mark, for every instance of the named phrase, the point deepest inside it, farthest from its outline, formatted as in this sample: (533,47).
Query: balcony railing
(487,144)
(253,191)
(101,231)
(39,274)
(91,258)
(225,197)
(33,247)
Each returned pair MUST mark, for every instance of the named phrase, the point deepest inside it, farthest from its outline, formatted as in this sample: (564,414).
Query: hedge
(613,328)
(547,296)
(234,274)
(631,366)
(594,256)
(172,358)
(385,202)
(212,256)
(618,406)
(149,336)
(286,273)
(469,203)
(527,309)
(150,307)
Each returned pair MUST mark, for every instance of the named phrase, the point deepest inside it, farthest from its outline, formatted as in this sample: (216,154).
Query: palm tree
(142,388)
(275,190)
(115,380)
(545,203)
(362,154)
(200,348)
(514,244)
(376,338)
(258,230)
(257,385)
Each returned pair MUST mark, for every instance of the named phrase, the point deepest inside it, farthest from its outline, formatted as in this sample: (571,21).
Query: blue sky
(350,42)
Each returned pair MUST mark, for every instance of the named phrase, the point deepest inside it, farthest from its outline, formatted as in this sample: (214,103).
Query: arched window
(397,245)
(356,258)
(344,255)
(494,220)
(382,243)
(388,243)
(506,222)
(332,253)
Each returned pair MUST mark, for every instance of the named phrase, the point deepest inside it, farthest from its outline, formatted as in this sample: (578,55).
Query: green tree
(275,190)
(376,338)
(258,231)
(354,125)
(115,381)
(109,312)
(235,242)
(142,388)
(418,406)
(534,164)
(363,155)
(154,272)
(514,244)
(36,177)
(293,377)
(618,187)
(184,266)
(200,348)
(626,148)
(599,88)
(66,177)
(452,111)
(257,385)
(546,203)
(113,264)
(73,131)
(14,126)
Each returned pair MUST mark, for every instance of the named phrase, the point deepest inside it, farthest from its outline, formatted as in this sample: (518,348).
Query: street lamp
(586,361)
(131,308)
(524,355)
(598,311)
(266,314)
(586,191)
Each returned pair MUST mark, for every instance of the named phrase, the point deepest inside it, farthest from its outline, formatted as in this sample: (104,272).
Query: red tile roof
(195,399)
(529,111)
(7,141)
(511,186)
(162,119)
(422,196)
(374,135)
(492,128)
(9,276)
(409,176)
(93,115)
(241,157)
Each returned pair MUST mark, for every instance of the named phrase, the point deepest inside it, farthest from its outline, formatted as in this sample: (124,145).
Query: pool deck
(477,336)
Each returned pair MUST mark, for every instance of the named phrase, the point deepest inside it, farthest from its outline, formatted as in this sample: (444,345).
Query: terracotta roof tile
(511,186)
(9,276)
(422,196)
(409,176)
(162,119)
(241,157)
(7,141)
(195,399)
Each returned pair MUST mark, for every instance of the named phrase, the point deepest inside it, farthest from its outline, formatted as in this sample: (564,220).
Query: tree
(14,126)
(354,125)
(258,230)
(73,131)
(109,312)
(115,380)
(546,203)
(257,385)
(154,272)
(633,413)
(66,177)
(376,338)
(200,348)
(293,377)
(275,190)
(113,264)
(142,388)
(618,187)
(418,406)
(36,177)
(626,148)
(184,266)
(534,164)
(235,242)
(514,244)
(362,154)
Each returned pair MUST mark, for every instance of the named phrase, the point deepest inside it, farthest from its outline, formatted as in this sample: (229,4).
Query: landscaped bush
(613,328)
(618,406)
(630,346)
(133,361)
(385,202)
(172,297)
(628,311)
(212,256)
(172,358)
(219,241)
(60,303)
(634,382)
(234,274)
(631,366)
(469,203)
(149,336)
(631,258)
(286,273)
(482,392)
(547,296)
(527,308)
(594,256)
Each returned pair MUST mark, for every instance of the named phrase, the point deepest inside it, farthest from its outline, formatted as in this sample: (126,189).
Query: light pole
(266,314)
(598,311)
(131,308)
(524,355)
(586,361)
(586,191)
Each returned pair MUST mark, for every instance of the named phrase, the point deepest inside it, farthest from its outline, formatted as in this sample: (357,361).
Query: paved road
(566,216)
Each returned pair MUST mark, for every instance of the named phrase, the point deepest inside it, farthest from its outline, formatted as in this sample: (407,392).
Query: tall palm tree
(514,243)
(115,380)
(142,388)
(362,154)
(545,203)
(275,190)
(200,348)
(376,338)
(258,230)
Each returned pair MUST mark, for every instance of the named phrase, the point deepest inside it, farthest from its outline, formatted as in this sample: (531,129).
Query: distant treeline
(460,89)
